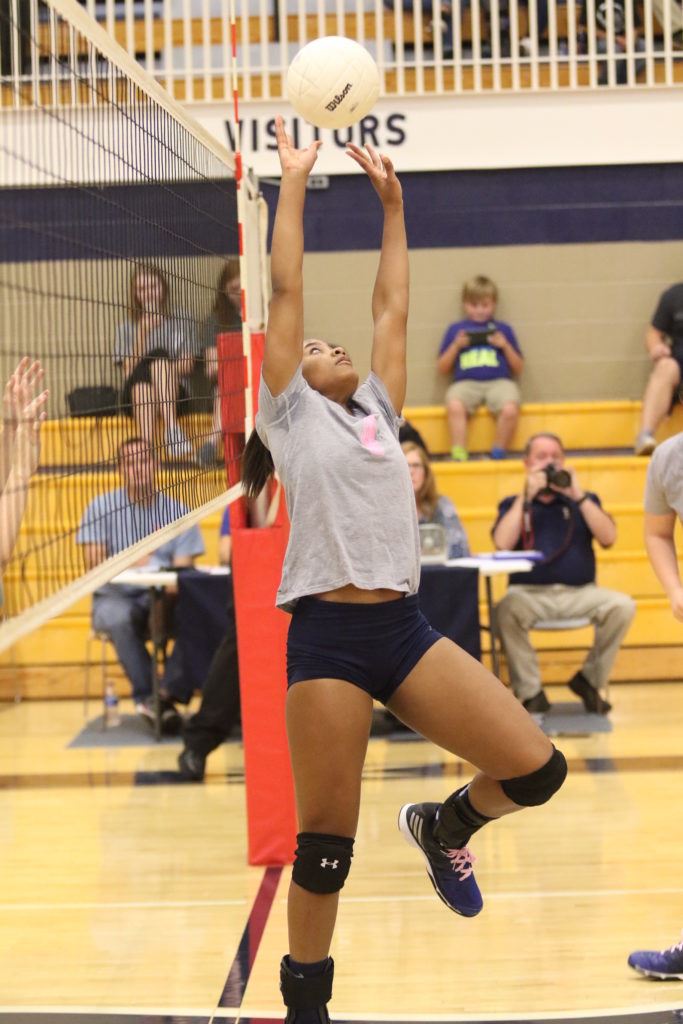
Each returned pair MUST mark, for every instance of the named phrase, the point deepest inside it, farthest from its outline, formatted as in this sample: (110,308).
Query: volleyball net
(130,269)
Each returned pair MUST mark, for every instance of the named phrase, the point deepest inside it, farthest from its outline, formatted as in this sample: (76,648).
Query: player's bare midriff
(354,595)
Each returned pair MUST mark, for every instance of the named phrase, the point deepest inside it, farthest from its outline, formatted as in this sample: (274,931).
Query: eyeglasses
(415,465)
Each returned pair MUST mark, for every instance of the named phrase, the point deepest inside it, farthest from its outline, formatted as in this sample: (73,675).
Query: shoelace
(677,948)
(462,861)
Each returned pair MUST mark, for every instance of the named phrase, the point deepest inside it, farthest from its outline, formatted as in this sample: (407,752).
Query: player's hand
(24,410)
(461,340)
(380,171)
(20,392)
(498,340)
(294,161)
(677,603)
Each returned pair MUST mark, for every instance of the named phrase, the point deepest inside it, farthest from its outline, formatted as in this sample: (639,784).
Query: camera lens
(558,477)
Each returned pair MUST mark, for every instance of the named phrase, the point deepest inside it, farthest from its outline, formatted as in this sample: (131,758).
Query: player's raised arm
(285,333)
(390,295)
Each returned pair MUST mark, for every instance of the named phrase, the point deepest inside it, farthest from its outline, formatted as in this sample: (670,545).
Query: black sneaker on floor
(538,704)
(191,765)
(171,719)
(592,701)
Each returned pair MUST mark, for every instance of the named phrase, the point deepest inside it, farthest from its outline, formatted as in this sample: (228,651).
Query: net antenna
(124,224)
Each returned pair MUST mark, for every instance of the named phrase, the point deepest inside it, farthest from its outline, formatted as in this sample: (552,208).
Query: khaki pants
(676,10)
(609,611)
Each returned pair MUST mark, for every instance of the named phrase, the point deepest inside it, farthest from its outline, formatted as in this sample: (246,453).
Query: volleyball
(332,82)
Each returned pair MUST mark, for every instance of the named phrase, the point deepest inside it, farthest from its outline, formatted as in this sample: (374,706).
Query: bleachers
(50,661)
(608,429)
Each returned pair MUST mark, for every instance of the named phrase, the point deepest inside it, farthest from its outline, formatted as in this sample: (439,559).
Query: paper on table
(531,556)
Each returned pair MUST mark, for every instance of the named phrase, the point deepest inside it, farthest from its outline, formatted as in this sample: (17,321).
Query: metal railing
(422,47)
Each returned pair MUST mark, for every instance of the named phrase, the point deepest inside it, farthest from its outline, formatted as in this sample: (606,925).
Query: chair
(551,625)
(159,632)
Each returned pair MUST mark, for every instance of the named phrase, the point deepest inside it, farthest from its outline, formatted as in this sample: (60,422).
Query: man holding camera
(555,516)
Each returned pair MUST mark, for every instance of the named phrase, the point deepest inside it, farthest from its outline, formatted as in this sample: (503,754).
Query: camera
(558,477)
(479,337)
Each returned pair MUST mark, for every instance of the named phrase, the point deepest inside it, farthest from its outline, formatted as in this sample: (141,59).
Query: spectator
(111,522)
(226,315)
(484,356)
(23,414)
(663,506)
(407,432)
(664,343)
(433,507)
(560,519)
(219,710)
(155,350)
(620,18)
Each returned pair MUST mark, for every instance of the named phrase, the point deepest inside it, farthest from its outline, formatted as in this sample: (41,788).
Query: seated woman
(225,316)
(433,507)
(155,350)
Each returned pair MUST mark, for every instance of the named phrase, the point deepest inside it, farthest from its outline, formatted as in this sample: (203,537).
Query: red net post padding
(261,643)
(257,557)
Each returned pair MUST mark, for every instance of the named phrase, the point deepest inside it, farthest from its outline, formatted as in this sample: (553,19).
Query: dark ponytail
(257,466)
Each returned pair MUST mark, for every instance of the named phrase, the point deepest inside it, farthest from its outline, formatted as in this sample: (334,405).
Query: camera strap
(529,537)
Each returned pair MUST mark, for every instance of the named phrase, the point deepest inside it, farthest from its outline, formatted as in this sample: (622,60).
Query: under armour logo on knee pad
(315,853)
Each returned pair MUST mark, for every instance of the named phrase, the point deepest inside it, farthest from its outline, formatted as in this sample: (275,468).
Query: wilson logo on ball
(336,100)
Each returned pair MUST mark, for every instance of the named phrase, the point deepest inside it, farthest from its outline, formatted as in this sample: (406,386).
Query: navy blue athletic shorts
(374,646)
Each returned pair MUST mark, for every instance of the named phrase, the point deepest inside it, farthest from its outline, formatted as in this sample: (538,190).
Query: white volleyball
(332,82)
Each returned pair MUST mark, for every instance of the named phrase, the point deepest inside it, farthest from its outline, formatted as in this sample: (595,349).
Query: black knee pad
(310,993)
(322,862)
(537,787)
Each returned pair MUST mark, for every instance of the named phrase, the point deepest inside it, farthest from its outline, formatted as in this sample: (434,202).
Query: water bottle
(111,705)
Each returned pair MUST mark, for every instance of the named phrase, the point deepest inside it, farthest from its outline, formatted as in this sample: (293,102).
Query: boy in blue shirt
(483,356)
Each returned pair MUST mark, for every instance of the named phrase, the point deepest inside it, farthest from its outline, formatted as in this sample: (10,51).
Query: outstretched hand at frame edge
(24,413)
(380,170)
(293,160)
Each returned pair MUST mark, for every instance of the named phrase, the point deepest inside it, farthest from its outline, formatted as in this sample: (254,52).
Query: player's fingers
(388,164)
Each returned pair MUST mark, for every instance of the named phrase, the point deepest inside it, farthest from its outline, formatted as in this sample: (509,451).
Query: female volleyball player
(350,580)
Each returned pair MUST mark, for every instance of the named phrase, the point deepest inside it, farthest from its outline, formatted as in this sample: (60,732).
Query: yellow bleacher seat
(54,655)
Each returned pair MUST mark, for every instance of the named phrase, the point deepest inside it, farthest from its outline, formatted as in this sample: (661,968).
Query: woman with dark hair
(433,507)
(350,579)
(155,350)
(226,315)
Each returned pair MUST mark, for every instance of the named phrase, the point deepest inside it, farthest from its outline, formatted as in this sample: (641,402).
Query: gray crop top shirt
(348,490)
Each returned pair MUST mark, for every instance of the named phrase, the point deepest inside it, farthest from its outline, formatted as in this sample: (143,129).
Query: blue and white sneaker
(668,964)
(450,871)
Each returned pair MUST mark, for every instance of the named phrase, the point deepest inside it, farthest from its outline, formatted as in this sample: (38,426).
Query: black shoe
(592,701)
(306,999)
(171,719)
(191,765)
(538,704)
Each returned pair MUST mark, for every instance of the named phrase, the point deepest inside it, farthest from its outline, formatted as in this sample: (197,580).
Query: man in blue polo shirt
(113,521)
(561,520)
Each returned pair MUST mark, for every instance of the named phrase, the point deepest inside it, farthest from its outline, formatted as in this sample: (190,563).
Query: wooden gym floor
(125,897)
